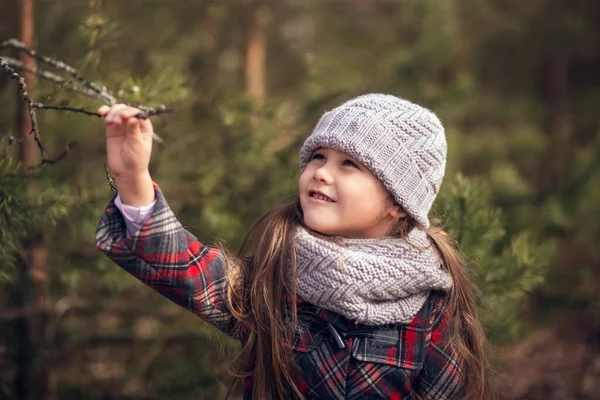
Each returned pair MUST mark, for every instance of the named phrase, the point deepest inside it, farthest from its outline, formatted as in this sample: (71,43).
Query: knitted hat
(402,143)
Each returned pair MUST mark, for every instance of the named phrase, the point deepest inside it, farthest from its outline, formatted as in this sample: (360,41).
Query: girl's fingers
(103,110)
(121,113)
(146,125)
(113,115)
(129,112)
(136,125)
(133,127)
(127,115)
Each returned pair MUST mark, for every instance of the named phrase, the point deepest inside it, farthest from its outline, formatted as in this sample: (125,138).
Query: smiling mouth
(319,196)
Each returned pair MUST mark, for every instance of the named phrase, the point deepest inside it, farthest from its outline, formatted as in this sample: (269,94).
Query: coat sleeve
(441,377)
(170,260)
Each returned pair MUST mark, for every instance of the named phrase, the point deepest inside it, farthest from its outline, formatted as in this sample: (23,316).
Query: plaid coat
(339,359)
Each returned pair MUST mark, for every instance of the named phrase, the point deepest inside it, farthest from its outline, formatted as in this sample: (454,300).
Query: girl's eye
(317,156)
(350,163)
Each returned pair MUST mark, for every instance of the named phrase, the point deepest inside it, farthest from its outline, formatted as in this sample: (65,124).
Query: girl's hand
(128,142)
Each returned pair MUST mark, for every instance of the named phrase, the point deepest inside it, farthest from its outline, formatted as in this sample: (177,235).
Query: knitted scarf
(369,281)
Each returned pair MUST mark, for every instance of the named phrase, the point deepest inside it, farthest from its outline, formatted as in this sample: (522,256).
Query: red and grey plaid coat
(339,359)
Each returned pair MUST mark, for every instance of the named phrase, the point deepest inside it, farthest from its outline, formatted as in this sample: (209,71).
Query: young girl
(348,293)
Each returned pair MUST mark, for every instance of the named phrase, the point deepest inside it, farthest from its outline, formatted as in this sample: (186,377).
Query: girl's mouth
(319,196)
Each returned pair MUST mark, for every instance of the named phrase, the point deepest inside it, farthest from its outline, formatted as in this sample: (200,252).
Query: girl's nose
(323,175)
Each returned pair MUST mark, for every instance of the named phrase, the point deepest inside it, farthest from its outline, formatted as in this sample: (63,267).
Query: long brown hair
(262,293)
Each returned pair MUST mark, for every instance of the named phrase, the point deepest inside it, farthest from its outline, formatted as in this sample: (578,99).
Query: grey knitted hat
(402,143)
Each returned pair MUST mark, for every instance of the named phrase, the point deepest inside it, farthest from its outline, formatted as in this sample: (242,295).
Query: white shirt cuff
(134,217)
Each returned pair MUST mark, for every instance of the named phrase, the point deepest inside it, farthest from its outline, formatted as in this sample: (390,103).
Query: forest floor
(560,363)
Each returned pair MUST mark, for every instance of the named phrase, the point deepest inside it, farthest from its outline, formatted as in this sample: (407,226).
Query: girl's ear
(396,212)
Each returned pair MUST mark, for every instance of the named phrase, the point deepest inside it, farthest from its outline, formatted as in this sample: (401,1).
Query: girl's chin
(322,228)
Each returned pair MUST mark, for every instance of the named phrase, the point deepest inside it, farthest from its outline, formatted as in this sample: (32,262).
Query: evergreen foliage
(515,84)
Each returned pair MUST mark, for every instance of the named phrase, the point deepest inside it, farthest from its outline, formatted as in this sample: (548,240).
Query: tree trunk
(31,380)
(256,51)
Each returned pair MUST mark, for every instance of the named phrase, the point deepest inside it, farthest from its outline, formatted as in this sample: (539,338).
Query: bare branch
(79,85)
(25,95)
(51,77)
(102,92)
(40,106)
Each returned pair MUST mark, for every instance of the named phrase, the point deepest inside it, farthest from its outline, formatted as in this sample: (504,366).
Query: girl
(348,293)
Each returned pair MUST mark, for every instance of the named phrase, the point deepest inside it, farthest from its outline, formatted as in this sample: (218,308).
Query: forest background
(515,83)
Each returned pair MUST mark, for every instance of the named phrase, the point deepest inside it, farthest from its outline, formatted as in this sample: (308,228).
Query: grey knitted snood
(369,281)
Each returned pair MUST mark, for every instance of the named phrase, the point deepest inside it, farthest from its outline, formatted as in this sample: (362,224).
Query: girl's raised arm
(162,254)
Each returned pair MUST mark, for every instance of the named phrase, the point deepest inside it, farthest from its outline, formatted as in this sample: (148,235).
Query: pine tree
(505,270)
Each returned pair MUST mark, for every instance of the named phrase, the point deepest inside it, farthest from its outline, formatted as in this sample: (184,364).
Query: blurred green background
(515,83)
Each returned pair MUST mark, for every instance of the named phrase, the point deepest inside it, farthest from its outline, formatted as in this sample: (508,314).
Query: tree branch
(80,85)
(51,77)
(102,92)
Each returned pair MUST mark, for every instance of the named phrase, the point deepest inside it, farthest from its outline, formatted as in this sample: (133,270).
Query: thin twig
(109,179)
(25,95)
(87,88)
(20,46)
(51,77)
(54,78)
(40,106)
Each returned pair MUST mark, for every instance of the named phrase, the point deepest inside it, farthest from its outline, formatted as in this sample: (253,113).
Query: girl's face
(340,196)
